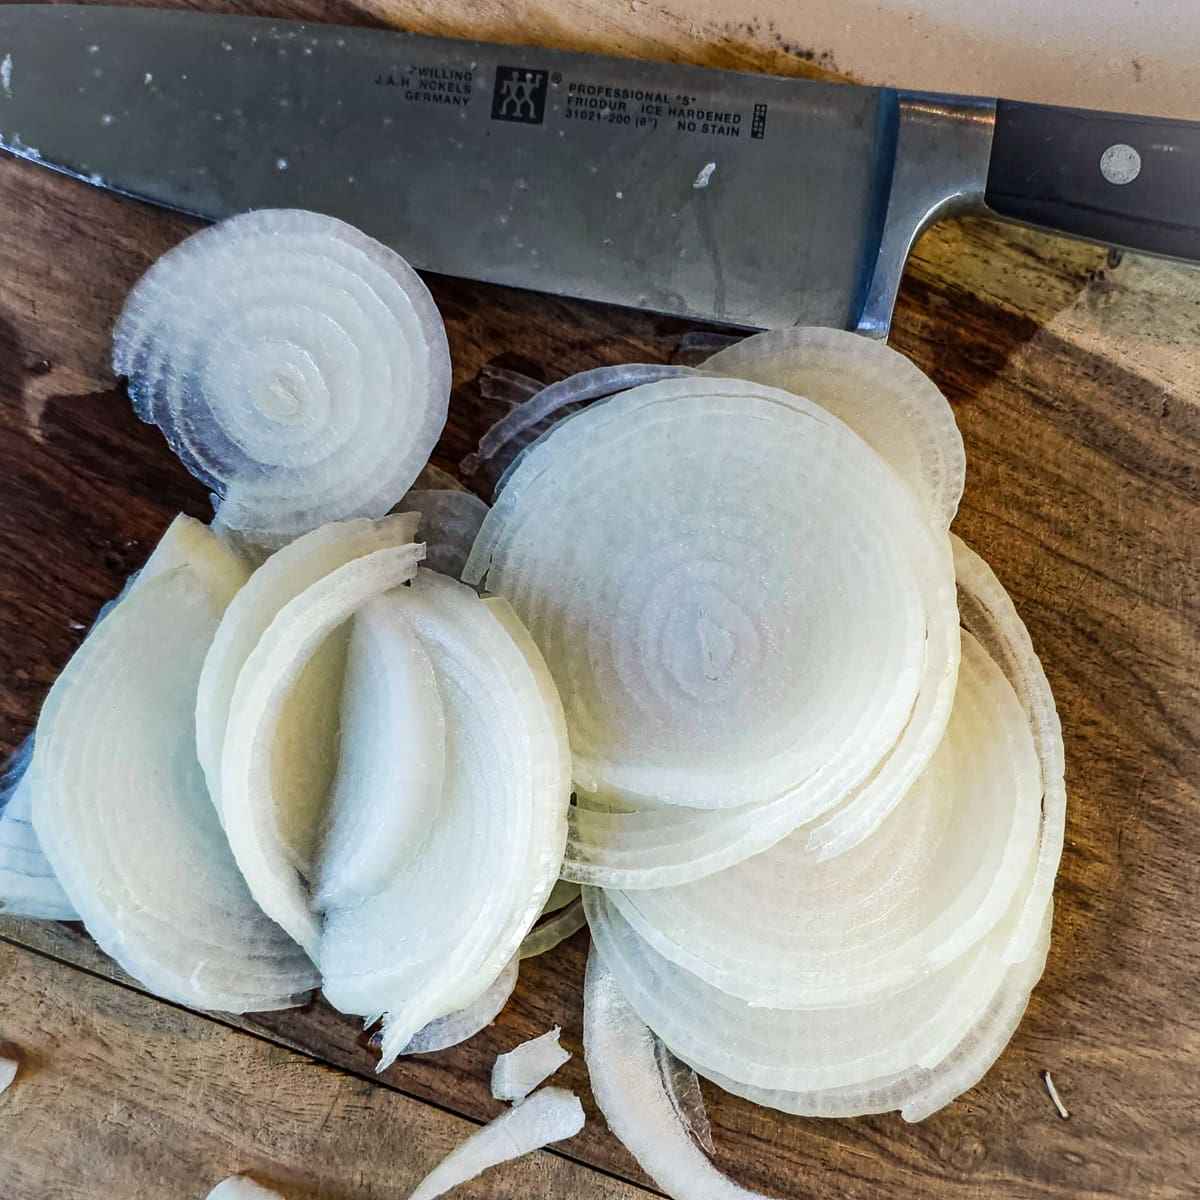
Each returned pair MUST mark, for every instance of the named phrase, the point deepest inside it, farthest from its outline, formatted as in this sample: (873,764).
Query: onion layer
(518,1072)
(457,1027)
(297,367)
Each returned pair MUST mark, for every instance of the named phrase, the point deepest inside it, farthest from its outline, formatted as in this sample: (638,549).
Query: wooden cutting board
(1074,378)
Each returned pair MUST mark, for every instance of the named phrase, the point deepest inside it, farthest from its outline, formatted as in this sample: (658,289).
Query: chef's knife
(747,199)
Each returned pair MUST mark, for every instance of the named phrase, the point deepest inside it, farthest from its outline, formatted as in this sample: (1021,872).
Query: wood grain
(1074,380)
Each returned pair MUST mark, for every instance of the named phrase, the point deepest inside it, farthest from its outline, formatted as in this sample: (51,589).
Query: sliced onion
(886,399)
(28,887)
(239,1187)
(682,1086)
(628,1086)
(518,1072)
(450,521)
(388,789)
(563,892)
(784,929)
(444,928)
(551,1115)
(255,778)
(693,668)
(8,1072)
(461,1026)
(121,810)
(298,368)
(554,930)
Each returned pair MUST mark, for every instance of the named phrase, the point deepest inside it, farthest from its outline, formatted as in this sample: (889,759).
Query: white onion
(255,778)
(628,1086)
(450,521)
(457,1027)
(934,879)
(517,1073)
(554,930)
(694,668)
(454,915)
(886,399)
(298,368)
(548,1116)
(121,810)
(239,1187)
(8,1072)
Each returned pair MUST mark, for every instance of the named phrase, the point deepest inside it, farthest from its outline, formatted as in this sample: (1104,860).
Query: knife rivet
(1120,164)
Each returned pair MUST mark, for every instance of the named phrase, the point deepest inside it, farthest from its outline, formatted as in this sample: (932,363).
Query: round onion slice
(121,810)
(298,368)
(438,935)
(730,589)
(255,778)
(450,522)
(933,880)
(886,399)
(628,1086)
(458,1027)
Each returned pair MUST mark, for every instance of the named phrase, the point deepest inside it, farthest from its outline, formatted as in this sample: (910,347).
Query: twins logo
(519,95)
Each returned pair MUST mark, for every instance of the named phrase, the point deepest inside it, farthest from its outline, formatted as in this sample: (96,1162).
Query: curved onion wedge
(450,521)
(652,546)
(388,789)
(121,810)
(457,1027)
(456,913)
(886,399)
(551,1115)
(297,367)
(935,878)
(517,1073)
(628,1086)
(254,777)
(28,887)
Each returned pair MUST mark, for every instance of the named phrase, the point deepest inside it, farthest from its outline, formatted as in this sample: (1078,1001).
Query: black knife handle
(1120,180)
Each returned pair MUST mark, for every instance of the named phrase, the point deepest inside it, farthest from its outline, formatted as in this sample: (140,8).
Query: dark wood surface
(1074,378)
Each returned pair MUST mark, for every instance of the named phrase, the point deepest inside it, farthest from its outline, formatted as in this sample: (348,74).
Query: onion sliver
(554,930)
(239,1187)
(28,887)
(548,1116)
(563,892)
(457,1027)
(627,1083)
(122,812)
(517,1073)
(988,612)
(253,775)
(886,399)
(450,521)
(682,1086)
(444,928)
(731,590)
(276,583)
(935,878)
(297,367)
(388,789)
(919,1092)
(8,1072)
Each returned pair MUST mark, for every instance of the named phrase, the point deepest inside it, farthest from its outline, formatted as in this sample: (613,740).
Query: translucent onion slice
(623,1067)
(694,668)
(254,777)
(886,399)
(919,1092)
(298,368)
(551,1115)
(461,1026)
(239,1187)
(121,810)
(28,887)
(450,521)
(388,789)
(799,1049)
(934,879)
(682,1086)
(563,892)
(988,612)
(518,1072)
(554,930)
(456,913)
(8,1072)
(275,584)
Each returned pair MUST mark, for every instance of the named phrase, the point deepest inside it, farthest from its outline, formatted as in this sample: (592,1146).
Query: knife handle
(1121,180)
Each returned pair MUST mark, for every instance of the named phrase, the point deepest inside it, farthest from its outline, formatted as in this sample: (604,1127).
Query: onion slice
(121,810)
(8,1072)
(254,777)
(682,1086)
(554,930)
(461,1026)
(628,1086)
(563,892)
(548,1116)
(450,521)
(517,1073)
(886,399)
(298,368)
(239,1187)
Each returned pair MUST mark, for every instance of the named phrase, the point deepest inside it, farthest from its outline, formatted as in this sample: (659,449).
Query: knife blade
(748,199)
